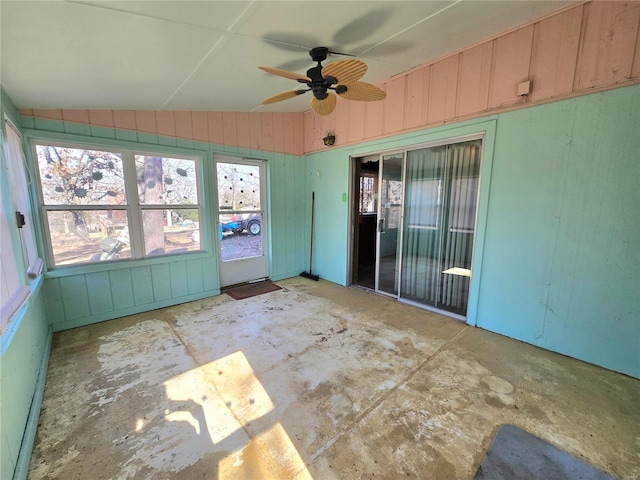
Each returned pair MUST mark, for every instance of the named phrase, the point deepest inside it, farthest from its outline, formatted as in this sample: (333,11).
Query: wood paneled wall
(270,132)
(80,299)
(589,47)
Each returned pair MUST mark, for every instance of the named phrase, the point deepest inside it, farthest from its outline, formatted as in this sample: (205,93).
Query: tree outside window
(90,216)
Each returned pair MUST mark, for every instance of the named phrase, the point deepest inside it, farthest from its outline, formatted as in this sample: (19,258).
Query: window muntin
(100,205)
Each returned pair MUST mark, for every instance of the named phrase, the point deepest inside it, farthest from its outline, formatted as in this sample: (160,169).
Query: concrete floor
(314,381)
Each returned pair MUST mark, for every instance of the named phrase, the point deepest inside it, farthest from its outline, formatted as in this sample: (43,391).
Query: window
(12,292)
(18,248)
(168,196)
(368,193)
(101,205)
(20,194)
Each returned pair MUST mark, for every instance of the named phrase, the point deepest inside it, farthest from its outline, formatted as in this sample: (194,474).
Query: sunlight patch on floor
(218,401)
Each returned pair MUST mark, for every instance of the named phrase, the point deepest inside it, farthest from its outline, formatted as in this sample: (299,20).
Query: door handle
(381,225)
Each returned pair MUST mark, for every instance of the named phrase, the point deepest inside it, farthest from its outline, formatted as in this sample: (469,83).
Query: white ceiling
(203,55)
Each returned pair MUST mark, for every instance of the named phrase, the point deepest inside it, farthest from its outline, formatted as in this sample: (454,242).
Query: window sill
(16,318)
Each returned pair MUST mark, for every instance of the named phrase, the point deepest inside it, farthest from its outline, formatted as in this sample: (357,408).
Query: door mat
(517,455)
(252,289)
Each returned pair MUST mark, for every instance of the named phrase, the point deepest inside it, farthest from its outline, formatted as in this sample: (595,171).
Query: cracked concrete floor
(314,381)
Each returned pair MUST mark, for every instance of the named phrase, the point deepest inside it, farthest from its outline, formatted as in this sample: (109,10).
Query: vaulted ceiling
(203,55)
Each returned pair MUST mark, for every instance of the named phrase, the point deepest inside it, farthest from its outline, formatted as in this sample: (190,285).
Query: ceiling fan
(342,77)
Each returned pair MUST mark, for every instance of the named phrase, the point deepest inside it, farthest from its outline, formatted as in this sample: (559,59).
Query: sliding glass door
(439,225)
(424,223)
(389,223)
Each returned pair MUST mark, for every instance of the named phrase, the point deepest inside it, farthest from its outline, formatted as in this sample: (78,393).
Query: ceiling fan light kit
(341,77)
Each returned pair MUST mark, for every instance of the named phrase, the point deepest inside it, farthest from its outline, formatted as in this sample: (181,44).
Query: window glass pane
(368,193)
(81,236)
(20,193)
(9,280)
(238,187)
(171,231)
(166,181)
(76,176)
(240,236)
(464,193)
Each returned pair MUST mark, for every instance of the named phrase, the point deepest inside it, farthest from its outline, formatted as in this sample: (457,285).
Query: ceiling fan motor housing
(319,84)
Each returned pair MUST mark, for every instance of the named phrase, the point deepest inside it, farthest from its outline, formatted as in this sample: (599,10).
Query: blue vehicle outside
(229,227)
(250,224)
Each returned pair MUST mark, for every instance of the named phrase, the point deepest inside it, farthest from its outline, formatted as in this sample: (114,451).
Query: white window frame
(20,260)
(133,207)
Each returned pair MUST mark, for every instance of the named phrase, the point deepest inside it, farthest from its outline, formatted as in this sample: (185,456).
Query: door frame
(233,274)
(484,130)
(402,153)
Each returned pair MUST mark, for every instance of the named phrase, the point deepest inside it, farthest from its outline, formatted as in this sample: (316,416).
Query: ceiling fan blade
(283,96)
(326,106)
(363,91)
(345,71)
(286,74)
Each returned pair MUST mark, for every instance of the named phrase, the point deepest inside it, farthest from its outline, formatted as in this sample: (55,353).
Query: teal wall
(562,255)
(83,295)
(24,354)
(76,299)
(557,244)
(24,359)
(328,179)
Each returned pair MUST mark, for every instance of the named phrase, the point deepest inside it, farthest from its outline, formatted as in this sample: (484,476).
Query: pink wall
(585,48)
(273,132)
(588,47)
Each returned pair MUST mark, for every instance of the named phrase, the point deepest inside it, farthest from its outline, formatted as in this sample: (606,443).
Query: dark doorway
(366,220)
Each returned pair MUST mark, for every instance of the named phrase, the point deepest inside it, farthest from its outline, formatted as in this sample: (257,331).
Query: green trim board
(35,286)
(28,439)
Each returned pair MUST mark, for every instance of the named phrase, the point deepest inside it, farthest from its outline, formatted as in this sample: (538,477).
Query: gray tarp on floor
(517,455)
